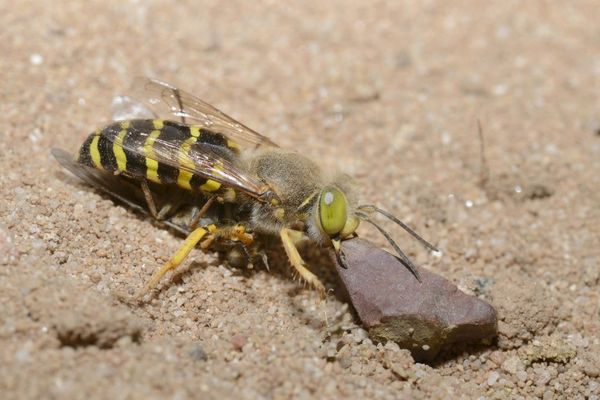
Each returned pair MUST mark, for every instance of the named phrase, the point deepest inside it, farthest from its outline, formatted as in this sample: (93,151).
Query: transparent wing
(165,100)
(124,108)
(107,182)
(205,160)
(113,185)
(199,158)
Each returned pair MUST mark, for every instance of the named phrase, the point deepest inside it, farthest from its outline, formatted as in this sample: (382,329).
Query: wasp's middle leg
(167,208)
(149,199)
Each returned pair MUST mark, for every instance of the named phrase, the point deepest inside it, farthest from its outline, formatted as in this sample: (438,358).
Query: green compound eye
(332,210)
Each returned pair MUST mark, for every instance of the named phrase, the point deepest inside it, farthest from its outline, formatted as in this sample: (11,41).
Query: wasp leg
(206,243)
(235,235)
(167,208)
(170,207)
(253,255)
(190,242)
(289,238)
(149,199)
(239,233)
(202,211)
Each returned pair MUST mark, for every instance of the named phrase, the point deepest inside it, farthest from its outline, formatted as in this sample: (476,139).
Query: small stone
(95,277)
(497,357)
(548,395)
(344,357)
(7,248)
(542,376)
(197,353)
(493,378)
(591,370)
(590,362)
(512,365)
(359,335)
(400,362)
(345,362)
(238,342)
(421,316)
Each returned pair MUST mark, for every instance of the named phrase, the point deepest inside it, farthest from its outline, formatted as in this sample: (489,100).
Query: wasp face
(334,216)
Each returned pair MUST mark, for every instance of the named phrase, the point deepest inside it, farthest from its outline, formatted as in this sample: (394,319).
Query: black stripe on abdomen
(105,148)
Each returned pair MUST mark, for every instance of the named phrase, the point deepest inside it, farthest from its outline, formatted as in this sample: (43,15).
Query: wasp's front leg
(290,238)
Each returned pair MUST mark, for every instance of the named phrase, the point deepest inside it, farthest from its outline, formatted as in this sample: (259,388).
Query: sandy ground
(389,92)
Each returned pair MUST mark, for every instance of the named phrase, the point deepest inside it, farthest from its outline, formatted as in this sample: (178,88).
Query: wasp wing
(205,160)
(125,108)
(115,186)
(107,182)
(165,100)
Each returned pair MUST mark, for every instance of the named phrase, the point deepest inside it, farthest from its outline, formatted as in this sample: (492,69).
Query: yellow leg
(236,233)
(187,246)
(206,243)
(239,233)
(289,238)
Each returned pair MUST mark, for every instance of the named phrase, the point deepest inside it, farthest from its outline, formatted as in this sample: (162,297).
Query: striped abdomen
(153,150)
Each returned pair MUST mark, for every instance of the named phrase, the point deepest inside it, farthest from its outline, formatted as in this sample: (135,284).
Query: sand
(388,92)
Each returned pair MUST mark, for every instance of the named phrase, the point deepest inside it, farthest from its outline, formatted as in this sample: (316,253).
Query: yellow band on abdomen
(119,152)
(95,152)
(184,177)
(151,163)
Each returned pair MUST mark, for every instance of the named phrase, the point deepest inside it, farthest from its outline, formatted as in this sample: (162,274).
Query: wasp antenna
(371,208)
(403,258)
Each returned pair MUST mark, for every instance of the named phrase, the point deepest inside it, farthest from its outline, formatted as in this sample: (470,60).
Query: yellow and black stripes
(150,158)
(155,150)
(88,153)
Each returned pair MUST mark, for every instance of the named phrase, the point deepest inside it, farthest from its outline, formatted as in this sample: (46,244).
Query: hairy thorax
(294,178)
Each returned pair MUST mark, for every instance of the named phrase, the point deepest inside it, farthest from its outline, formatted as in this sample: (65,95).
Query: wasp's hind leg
(190,242)
(207,235)
(289,238)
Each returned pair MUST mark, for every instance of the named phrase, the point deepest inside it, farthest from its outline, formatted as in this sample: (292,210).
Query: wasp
(218,181)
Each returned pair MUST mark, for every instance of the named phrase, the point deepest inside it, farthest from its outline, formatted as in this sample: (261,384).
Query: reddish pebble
(422,317)
(238,342)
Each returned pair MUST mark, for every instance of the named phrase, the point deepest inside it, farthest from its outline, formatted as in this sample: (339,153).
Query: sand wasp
(218,181)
